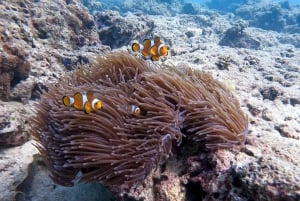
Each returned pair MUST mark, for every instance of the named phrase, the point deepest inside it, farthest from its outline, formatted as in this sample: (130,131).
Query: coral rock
(13,68)
(12,126)
(236,36)
(116,31)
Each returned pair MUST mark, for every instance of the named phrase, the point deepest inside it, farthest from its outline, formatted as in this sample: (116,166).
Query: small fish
(83,101)
(153,49)
(134,110)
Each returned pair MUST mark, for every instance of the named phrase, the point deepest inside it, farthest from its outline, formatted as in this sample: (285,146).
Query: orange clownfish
(133,110)
(151,48)
(83,101)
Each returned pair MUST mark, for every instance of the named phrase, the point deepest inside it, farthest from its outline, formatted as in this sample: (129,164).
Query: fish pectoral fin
(90,96)
(156,40)
(145,53)
(88,107)
(147,43)
(153,50)
(155,58)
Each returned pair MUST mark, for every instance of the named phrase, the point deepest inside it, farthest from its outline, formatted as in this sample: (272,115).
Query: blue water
(295,2)
(275,15)
(221,5)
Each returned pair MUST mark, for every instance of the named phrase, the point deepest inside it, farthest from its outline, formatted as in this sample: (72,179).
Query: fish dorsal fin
(157,40)
(155,58)
(147,43)
(146,47)
(90,96)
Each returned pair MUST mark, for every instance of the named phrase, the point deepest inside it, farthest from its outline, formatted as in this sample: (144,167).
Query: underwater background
(251,47)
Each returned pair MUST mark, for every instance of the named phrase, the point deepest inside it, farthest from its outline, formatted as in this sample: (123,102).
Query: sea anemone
(115,147)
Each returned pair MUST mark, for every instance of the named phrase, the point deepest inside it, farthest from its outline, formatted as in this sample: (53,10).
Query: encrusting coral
(114,146)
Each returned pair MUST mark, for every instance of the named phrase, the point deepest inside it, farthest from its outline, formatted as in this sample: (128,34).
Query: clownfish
(134,110)
(151,48)
(83,101)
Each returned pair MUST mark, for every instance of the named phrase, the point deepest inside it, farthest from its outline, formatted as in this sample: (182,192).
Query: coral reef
(36,37)
(93,5)
(119,149)
(12,125)
(52,26)
(36,174)
(14,165)
(224,62)
(14,67)
(236,36)
(270,93)
(156,7)
(275,16)
(241,180)
(14,64)
(225,5)
(189,8)
(117,31)
(261,171)
(290,39)
(29,31)
(270,18)
(54,36)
